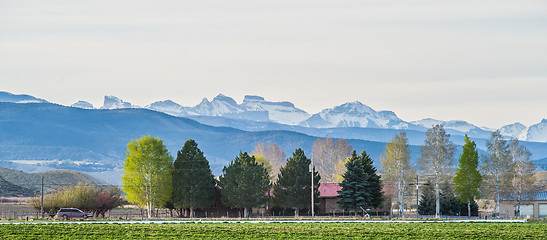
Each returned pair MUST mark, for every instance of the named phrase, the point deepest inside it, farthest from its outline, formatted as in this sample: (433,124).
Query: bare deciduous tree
(522,168)
(496,165)
(438,157)
(272,153)
(327,154)
(396,167)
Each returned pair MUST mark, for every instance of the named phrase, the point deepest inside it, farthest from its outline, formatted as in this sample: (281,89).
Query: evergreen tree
(193,182)
(354,194)
(361,186)
(426,206)
(292,189)
(244,183)
(449,203)
(374,182)
(468,179)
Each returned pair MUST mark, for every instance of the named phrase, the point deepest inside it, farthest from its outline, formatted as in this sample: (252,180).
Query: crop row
(279,230)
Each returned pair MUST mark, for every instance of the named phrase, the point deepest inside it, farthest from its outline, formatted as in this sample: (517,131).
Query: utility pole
(42,198)
(312,192)
(417,201)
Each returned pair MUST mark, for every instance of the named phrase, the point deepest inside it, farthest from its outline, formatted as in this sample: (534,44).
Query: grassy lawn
(279,230)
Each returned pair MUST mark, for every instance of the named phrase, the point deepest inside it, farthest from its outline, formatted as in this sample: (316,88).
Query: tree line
(506,166)
(152,178)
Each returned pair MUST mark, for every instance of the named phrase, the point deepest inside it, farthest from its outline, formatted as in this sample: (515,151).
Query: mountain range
(347,115)
(36,135)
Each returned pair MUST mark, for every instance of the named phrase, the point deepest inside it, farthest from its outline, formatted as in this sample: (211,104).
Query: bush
(83,196)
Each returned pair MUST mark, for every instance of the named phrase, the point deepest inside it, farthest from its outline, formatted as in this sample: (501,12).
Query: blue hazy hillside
(95,140)
(538,149)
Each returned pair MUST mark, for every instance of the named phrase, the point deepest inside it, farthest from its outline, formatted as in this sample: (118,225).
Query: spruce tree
(374,182)
(244,183)
(361,187)
(193,182)
(426,206)
(292,189)
(354,194)
(449,203)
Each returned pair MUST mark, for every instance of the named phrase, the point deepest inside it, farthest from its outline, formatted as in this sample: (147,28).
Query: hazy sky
(480,61)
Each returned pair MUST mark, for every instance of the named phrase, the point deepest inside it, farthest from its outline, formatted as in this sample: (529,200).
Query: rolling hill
(15,183)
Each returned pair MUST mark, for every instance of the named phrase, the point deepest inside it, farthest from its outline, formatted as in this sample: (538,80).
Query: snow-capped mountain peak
(354,114)
(280,112)
(352,108)
(82,104)
(112,102)
(19,98)
(536,132)
(512,130)
(428,122)
(220,106)
(168,107)
(454,125)
(224,98)
(457,125)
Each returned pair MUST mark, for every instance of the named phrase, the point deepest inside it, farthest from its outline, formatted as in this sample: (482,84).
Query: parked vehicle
(67,213)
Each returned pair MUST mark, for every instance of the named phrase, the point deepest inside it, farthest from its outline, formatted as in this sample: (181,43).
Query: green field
(278,230)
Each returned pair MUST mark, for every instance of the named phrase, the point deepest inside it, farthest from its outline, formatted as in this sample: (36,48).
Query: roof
(329,190)
(529,196)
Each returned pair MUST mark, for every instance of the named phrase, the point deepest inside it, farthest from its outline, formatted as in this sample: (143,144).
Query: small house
(533,204)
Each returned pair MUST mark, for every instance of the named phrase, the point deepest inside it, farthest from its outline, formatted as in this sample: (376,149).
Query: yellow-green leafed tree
(396,167)
(147,175)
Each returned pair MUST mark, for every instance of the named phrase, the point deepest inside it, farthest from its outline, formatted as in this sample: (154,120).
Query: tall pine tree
(193,182)
(426,205)
(468,179)
(353,195)
(244,183)
(292,189)
(361,187)
(375,184)
(449,203)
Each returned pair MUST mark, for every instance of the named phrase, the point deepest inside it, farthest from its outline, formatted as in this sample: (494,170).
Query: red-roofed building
(328,199)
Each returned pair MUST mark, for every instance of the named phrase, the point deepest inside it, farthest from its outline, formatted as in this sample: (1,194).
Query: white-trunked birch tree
(496,165)
(396,167)
(147,175)
(522,168)
(437,156)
